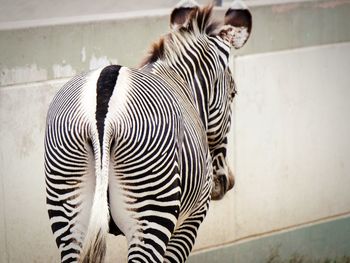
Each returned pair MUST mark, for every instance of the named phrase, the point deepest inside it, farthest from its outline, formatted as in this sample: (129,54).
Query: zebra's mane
(200,23)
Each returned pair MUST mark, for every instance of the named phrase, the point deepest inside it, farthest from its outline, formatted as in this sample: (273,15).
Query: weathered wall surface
(292,137)
(289,142)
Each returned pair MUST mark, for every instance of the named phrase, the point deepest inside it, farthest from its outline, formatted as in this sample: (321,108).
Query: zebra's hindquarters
(144,178)
(74,178)
(138,136)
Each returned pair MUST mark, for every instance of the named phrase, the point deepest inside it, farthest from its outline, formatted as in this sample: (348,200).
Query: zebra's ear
(238,25)
(182,13)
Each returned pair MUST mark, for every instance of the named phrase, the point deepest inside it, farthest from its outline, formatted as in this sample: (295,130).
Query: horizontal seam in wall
(50,82)
(275,231)
(294,49)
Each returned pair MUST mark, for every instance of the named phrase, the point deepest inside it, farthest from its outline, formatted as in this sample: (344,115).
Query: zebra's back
(136,136)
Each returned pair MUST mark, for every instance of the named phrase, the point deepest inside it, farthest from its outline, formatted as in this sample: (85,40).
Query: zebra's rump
(131,139)
(159,153)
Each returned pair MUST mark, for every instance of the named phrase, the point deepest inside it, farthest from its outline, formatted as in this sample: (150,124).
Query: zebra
(142,152)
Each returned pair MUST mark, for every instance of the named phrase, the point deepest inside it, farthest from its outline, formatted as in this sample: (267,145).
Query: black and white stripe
(142,150)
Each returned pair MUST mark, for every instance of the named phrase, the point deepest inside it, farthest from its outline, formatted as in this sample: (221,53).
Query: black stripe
(105,86)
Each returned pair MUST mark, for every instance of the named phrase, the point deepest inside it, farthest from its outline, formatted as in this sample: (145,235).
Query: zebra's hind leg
(146,224)
(183,239)
(70,183)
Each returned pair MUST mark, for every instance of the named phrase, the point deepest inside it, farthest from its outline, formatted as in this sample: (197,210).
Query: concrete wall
(292,145)
(289,144)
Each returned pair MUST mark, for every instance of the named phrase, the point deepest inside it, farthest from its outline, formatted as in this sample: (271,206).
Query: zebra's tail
(94,246)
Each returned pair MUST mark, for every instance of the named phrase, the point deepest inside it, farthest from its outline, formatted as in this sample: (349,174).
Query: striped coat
(140,152)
